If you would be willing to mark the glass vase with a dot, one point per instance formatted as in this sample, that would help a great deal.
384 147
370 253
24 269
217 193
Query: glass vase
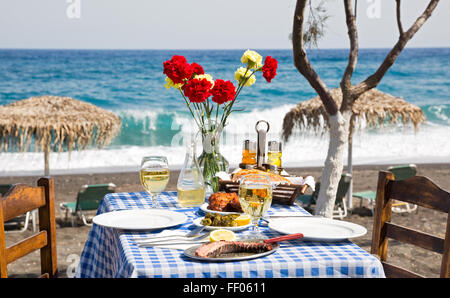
211 161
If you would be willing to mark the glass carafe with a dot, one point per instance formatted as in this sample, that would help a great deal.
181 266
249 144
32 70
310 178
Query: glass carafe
190 186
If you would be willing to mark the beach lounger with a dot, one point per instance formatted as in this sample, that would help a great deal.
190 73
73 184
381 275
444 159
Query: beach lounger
88 199
400 172
22 219
340 209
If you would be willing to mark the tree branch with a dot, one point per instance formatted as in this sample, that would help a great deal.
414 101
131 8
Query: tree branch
373 80
302 64
399 20
353 55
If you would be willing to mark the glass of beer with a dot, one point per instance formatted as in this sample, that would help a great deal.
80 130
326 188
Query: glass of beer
255 197
154 174
274 153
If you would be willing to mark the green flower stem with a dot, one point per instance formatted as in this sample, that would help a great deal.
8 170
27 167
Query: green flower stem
189 107
239 89
217 112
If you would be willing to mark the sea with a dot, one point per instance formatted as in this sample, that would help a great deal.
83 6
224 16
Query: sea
156 121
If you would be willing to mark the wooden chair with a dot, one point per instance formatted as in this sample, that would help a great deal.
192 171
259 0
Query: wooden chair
415 190
400 172
19 200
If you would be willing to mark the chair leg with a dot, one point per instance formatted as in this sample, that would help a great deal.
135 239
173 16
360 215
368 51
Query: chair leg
25 224
72 222
83 218
344 205
34 219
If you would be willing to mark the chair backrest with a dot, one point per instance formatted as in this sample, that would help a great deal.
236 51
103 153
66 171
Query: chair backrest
90 196
4 188
343 186
415 190
19 200
403 172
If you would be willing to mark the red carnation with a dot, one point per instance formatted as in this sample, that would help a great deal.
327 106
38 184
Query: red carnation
223 91
197 68
197 90
177 69
270 68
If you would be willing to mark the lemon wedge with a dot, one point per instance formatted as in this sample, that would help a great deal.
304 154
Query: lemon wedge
243 220
222 234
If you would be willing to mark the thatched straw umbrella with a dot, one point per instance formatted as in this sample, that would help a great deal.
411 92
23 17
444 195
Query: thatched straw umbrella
374 108
55 123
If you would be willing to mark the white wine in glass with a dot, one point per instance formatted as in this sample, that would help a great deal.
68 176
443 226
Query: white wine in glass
255 197
154 176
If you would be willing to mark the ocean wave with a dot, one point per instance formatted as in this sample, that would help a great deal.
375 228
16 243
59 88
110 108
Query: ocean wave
159 126
439 113
387 146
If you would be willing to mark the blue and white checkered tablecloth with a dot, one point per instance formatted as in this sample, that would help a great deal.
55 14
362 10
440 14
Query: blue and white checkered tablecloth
110 252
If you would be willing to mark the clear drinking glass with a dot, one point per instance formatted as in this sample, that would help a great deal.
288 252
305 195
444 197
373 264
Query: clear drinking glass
155 175
255 197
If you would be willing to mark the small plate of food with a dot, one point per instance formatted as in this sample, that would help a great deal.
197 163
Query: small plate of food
222 203
233 222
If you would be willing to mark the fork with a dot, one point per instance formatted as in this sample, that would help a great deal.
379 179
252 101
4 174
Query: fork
190 235
195 240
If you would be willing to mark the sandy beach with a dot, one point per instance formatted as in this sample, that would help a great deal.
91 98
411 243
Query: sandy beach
71 240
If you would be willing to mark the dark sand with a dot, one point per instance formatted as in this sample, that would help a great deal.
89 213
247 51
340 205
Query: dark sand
71 240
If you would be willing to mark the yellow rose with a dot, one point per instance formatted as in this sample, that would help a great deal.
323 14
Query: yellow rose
169 84
205 76
253 59
242 74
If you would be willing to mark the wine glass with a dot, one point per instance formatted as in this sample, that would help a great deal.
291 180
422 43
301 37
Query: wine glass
154 174
255 197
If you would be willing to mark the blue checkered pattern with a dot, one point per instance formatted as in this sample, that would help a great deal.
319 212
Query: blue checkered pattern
111 253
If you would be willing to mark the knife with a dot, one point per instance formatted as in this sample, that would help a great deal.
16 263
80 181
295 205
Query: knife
284 238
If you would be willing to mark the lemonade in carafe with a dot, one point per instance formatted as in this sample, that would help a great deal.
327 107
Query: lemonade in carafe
190 186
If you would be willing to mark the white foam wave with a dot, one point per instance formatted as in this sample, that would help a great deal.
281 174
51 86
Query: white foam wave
386 146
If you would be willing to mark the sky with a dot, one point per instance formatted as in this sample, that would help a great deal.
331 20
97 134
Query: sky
203 24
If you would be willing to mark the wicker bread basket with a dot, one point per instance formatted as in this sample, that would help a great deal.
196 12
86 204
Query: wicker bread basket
284 194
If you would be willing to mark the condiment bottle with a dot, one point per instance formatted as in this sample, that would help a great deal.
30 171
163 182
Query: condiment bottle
249 153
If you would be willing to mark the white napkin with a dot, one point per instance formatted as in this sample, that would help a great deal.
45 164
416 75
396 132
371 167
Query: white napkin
309 180
174 246
223 175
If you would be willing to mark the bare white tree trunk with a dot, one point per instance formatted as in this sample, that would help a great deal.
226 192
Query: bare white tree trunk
339 117
331 174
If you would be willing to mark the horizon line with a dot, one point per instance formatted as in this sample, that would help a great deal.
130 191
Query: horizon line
211 49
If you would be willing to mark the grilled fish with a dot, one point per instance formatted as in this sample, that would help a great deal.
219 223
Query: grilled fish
218 248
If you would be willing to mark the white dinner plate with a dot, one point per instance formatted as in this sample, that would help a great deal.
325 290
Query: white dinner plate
198 222
204 208
140 219
317 228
